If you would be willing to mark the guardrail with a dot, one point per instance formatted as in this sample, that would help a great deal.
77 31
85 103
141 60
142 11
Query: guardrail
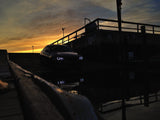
134 101
108 24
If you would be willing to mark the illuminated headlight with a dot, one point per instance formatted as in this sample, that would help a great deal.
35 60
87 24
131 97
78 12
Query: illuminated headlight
80 57
60 58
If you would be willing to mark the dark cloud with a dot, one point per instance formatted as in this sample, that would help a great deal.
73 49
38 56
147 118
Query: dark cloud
5 4
144 11
50 21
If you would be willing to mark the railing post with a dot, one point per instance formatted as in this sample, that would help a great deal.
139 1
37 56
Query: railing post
76 35
137 28
68 38
153 29
145 63
62 41
140 97
98 24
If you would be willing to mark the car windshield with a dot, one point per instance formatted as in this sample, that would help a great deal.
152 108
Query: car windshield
59 48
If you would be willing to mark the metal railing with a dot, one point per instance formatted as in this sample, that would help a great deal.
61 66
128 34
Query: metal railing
108 24
134 101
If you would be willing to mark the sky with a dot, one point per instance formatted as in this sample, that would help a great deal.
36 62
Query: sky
27 23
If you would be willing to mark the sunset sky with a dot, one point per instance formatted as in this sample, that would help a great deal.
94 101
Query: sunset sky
27 23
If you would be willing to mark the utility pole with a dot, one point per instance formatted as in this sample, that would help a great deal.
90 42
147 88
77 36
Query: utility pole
119 4
123 57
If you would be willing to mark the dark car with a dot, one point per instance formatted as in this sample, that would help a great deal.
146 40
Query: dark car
60 56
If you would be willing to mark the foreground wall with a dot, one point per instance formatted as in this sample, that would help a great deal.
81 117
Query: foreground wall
43 100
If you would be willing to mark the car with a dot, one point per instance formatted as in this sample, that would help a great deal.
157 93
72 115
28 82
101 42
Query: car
61 56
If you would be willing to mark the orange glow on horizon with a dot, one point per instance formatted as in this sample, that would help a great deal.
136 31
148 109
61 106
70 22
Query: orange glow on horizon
28 51
25 46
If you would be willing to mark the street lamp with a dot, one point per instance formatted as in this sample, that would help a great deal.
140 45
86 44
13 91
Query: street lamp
63 31
85 20
32 49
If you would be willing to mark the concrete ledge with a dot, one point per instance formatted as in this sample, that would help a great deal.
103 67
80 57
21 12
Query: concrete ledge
37 106
70 106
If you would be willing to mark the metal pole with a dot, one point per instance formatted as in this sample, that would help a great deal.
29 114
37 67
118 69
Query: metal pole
98 24
153 29
145 58
123 55
137 28
119 3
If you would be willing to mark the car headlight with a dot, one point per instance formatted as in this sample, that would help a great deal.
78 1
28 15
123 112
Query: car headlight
60 58
80 57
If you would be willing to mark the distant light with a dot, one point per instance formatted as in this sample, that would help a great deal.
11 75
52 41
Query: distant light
81 58
60 58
